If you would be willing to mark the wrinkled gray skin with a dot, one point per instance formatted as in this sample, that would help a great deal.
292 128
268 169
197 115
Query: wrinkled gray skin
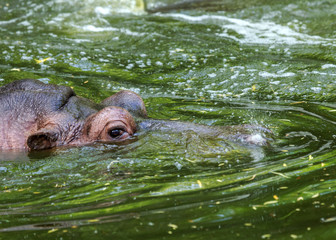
37 116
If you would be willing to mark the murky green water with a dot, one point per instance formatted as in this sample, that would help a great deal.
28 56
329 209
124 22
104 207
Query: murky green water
212 62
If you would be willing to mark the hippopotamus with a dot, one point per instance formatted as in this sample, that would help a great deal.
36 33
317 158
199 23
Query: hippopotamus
36 116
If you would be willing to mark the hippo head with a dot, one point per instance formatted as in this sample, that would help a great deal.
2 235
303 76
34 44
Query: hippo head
39 116
111 124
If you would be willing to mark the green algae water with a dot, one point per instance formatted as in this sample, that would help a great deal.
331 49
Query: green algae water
270 63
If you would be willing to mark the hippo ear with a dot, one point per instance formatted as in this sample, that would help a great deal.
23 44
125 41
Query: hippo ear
128 100
43 139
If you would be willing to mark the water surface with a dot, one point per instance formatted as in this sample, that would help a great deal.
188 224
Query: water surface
208 62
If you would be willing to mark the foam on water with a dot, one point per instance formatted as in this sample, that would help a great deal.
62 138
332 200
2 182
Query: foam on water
254 32
325 66
91 28
106 7
275 75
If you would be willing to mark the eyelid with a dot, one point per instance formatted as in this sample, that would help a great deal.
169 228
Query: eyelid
121 127
116 124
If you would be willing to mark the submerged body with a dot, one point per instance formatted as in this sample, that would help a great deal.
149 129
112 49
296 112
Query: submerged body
245 134
37 116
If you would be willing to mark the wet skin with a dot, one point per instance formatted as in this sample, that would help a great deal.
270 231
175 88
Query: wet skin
37 116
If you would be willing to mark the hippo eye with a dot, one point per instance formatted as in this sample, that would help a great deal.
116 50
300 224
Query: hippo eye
116 132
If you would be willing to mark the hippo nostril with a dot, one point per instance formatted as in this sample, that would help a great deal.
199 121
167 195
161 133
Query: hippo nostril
40 141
